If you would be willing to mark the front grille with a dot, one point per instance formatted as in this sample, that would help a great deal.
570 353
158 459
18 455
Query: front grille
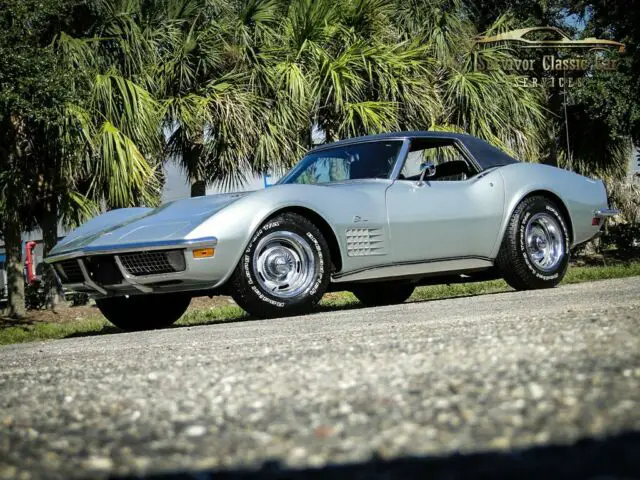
70 271
153 263
103 270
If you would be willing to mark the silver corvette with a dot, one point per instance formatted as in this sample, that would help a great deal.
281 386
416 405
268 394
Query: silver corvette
375 215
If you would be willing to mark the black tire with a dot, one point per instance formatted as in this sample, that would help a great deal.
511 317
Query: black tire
144 312
297 238
517 265
383 293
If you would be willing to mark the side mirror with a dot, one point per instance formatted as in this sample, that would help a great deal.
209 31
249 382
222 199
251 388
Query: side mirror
427 170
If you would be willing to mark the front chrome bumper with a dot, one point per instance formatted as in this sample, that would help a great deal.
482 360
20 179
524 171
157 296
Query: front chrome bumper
196 274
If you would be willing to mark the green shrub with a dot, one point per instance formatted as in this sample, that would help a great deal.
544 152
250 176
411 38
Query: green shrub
623 236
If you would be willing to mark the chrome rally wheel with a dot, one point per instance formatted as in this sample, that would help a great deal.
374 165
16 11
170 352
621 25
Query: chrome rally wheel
284 269
284 264
535 248
545 241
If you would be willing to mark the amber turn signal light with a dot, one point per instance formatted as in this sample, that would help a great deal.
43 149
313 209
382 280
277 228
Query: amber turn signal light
203 252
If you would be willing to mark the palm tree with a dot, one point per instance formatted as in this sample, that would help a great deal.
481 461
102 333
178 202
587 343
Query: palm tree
221 110
347 68
364 66
489 104
104 150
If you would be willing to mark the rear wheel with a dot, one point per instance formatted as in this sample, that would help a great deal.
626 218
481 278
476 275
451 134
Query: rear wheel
144 312
284 270
535 249
387 293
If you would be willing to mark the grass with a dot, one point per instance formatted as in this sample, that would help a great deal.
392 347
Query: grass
17 331
20 332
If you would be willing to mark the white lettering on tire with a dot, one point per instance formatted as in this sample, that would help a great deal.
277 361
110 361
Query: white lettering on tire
248 271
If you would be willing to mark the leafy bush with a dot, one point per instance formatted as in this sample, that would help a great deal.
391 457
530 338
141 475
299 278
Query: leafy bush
625 195
623 236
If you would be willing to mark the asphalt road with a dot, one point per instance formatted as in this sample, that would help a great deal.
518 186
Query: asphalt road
495 372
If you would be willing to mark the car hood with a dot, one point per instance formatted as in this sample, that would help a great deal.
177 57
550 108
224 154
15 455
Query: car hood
171 221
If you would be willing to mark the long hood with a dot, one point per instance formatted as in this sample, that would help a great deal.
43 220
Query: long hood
131 226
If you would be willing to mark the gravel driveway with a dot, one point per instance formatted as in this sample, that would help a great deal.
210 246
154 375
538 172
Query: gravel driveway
495 372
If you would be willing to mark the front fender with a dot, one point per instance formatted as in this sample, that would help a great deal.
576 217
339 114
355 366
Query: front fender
337 205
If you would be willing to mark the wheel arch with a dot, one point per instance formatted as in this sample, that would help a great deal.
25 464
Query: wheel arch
322 224
553 197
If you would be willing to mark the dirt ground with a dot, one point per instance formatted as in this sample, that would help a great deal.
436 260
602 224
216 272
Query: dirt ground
67 313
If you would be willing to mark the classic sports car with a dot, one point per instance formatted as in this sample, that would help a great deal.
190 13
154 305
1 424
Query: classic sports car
375 215
531 38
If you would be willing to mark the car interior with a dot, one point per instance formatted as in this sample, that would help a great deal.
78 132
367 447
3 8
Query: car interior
449 161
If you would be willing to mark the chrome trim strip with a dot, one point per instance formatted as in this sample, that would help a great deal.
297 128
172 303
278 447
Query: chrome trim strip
129 278
133 247
356 141
88 281
341 275
606 212
469 156
419 270
402 156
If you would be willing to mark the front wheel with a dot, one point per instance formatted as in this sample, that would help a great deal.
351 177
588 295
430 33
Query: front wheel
143 312
535 249
284 270
387 293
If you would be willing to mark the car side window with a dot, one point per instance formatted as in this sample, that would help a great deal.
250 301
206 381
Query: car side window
448 159
350 162
325 170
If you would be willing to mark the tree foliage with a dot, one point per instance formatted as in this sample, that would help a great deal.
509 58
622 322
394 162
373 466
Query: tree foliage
602 114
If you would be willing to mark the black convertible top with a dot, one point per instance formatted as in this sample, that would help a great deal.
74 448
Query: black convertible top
486 155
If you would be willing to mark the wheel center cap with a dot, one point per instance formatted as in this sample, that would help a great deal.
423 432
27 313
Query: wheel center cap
541 243
281 264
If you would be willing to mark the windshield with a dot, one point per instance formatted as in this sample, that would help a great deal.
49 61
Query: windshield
349 162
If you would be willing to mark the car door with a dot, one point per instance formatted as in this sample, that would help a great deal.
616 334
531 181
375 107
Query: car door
456 214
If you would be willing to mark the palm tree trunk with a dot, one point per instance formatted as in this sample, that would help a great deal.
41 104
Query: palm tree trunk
191 159
49 226
15 275
198 188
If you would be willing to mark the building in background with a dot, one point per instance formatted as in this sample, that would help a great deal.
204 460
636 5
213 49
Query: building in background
177 185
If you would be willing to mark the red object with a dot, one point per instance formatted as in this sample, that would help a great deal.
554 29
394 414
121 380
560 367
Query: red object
596 221
29 262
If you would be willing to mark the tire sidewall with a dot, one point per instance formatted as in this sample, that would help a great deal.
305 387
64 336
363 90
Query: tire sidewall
542 206
384 293
321 272
144 312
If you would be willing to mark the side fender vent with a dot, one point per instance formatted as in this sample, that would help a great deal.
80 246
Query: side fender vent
365 241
